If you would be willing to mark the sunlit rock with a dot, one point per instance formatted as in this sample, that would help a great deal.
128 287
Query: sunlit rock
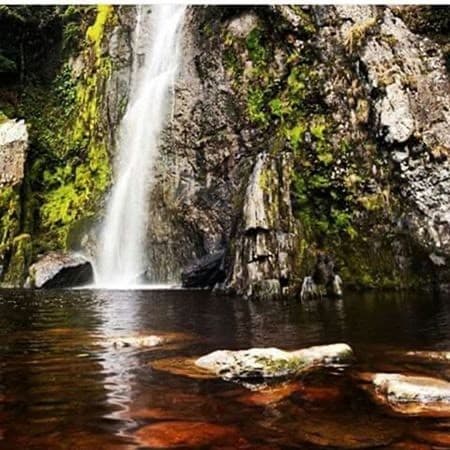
186 434
272 362
411 395
60 270
13 150
257 363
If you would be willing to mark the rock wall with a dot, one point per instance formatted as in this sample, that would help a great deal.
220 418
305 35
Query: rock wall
15 247
302 131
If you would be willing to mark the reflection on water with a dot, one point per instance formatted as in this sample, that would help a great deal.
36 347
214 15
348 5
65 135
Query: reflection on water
64 385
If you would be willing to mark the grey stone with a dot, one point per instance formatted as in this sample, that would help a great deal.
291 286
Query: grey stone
412 395
273 362
13 152
60 270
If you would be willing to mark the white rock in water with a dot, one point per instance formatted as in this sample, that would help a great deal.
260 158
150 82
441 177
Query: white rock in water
412 395
272 362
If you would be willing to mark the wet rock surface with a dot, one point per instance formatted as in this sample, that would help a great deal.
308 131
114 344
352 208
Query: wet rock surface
412 395
186 434
272 362
257 363
60 270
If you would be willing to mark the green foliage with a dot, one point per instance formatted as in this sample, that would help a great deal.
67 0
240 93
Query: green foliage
65 89
70 164
7 65
75 19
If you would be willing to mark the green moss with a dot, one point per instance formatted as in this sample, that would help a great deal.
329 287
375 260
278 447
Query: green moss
256 107
96 31
21 254
70 164
9 217
3 117
373 202
255 46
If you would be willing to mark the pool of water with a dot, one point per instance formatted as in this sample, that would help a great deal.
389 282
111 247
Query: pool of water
65 385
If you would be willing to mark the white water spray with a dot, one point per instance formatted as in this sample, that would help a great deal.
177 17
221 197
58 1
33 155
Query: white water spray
121 257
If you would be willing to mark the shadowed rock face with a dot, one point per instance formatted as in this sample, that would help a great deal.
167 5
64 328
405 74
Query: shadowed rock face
225 179
205 272
60 270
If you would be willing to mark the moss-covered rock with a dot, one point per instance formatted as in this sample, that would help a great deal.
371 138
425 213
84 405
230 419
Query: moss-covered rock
19 262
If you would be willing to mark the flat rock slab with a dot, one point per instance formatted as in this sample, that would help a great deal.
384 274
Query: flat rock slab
60 270
272 362
411 395
257 363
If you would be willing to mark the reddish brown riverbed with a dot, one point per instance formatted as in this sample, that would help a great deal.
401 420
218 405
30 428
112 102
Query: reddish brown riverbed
67 381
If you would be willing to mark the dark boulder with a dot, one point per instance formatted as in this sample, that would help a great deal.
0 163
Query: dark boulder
205 271
324 280
60 270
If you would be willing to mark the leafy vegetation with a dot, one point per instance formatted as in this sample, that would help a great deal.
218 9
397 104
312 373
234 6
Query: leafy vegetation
70 163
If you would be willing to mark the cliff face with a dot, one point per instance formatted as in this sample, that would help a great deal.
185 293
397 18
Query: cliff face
308 131
297 132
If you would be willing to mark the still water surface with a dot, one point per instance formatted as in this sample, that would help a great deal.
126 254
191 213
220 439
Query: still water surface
63 385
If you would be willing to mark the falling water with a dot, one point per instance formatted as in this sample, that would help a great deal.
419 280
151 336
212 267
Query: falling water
121 258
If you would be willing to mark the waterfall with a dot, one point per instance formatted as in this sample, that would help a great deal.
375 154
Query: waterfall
121 256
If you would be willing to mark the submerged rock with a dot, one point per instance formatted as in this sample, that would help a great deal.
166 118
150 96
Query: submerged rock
342 430
146 341
60 270
272 362
439 438
186 434
271 394
204 272
411 395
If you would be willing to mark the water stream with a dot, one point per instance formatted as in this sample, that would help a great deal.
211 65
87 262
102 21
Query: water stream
121 258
